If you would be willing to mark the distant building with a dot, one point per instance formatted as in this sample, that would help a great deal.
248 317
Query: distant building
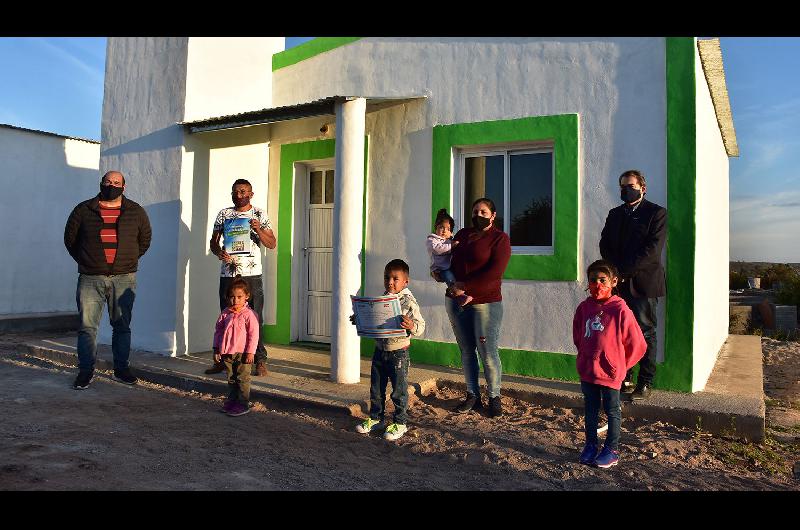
352 145
44 175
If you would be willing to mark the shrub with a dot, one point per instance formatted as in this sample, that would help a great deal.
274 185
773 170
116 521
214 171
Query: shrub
738 280
790 292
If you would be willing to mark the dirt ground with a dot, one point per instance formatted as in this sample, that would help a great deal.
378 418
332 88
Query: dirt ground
150 437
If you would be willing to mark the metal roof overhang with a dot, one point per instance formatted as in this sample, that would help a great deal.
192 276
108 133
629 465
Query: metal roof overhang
321 107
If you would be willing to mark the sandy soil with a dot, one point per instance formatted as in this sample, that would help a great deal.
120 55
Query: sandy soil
149 437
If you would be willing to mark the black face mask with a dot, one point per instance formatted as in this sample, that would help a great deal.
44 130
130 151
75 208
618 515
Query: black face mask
109 193
480 222
629 194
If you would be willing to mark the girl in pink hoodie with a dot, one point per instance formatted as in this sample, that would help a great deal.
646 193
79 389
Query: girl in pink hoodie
235 338
609 343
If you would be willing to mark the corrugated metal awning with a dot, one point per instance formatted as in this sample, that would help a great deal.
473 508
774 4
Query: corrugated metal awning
317 108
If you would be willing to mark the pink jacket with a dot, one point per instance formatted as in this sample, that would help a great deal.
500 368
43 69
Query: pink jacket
236 332
608 339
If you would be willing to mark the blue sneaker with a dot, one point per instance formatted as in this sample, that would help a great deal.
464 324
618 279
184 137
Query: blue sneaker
588 454
607 458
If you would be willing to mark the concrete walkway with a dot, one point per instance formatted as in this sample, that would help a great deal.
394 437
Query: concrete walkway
732 403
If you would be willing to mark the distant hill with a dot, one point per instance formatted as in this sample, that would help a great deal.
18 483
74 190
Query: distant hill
754 267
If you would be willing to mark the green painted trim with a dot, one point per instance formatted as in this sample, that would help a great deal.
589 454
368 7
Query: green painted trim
280 332
677 370
515 362
563 131
307 50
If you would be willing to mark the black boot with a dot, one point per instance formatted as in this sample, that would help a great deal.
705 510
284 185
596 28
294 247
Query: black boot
217 368
495 407
472 402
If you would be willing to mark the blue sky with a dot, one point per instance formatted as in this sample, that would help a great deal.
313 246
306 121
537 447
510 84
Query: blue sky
56 85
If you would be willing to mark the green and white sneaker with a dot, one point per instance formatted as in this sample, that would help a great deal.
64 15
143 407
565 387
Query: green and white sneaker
395 431
367 426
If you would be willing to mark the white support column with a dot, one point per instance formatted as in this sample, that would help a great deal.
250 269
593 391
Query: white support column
348 222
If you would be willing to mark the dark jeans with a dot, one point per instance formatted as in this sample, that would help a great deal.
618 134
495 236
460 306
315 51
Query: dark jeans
644 309
93 292
591 399
389 366
238 378
256 303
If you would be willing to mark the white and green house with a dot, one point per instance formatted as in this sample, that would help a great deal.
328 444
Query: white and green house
353 144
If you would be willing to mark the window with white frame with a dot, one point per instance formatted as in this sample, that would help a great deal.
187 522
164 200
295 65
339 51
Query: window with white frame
520 181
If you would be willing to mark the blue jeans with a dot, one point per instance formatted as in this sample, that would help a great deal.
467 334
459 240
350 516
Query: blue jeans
256 303
644 310
389 366
592 395
93 292
477 328
447 276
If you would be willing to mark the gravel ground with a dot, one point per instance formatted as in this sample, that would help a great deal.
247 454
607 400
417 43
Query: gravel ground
149 437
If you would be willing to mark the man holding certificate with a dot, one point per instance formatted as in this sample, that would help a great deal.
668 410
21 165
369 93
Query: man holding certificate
242 229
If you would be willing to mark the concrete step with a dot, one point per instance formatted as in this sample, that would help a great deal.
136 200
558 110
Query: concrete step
732 404
27 322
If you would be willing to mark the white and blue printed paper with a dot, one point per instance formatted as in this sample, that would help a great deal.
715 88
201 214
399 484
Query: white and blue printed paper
378 317
237 236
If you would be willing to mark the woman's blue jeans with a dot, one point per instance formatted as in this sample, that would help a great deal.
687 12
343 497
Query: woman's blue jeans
477 331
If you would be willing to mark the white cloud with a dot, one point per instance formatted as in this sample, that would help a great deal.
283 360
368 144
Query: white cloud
96 76
766 228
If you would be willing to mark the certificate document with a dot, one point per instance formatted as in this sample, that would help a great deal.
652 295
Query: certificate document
378 317
237 236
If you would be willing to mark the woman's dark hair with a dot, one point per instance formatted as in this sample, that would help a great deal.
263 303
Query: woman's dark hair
489 202
443 216
238 283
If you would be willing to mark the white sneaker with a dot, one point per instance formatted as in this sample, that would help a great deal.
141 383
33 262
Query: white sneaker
394 431
367 426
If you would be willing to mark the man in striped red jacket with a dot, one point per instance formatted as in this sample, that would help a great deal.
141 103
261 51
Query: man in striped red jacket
106 235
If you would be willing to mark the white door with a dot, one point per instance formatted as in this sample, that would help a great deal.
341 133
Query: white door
318 253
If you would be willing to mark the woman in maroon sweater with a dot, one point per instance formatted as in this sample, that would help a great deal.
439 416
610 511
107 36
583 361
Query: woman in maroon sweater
478 263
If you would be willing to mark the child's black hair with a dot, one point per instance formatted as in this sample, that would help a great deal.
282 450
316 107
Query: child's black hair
606 267
238 283
442 216
396 265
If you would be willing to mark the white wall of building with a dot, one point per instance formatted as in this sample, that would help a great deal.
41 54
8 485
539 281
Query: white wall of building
216 160
152 84
228 75
43 178
616 85
712 232
143 102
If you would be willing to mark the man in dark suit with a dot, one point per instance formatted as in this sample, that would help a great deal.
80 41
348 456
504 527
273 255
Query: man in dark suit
632 239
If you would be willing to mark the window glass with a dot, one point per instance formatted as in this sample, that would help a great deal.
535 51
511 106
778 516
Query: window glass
316 188
329 187
531 199
483 177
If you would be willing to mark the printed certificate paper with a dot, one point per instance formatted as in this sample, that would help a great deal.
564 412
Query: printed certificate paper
378 317
237 236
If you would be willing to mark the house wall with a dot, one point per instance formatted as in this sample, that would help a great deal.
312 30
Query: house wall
212 161
145 89
617 86
712 232
153 84
42 176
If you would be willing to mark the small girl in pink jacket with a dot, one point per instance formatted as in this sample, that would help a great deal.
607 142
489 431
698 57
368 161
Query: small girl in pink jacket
609 343
235 339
